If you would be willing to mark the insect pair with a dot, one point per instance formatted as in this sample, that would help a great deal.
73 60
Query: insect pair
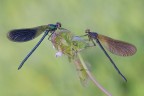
114 46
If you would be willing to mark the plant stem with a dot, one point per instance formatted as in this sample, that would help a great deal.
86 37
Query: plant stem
92 78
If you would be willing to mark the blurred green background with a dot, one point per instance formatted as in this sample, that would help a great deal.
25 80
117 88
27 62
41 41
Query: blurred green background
44 74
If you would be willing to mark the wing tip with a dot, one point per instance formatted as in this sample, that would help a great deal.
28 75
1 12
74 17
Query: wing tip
9 35
21 35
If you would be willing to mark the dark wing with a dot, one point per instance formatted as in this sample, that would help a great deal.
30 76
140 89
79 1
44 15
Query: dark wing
23 35
117 47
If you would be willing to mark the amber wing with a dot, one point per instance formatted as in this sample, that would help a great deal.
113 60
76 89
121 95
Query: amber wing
117 47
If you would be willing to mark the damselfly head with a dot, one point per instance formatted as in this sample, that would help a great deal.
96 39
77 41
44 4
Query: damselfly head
58 24
91 34
53 27
87 30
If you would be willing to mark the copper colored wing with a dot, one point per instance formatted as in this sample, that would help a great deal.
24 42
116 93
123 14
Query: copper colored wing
23 35
117 47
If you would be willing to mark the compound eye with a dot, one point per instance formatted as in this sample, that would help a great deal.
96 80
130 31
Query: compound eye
87 30
58 24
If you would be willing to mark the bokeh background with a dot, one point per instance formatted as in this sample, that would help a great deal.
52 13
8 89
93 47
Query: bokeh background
44 74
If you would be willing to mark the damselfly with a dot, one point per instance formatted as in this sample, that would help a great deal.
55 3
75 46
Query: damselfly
116 47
